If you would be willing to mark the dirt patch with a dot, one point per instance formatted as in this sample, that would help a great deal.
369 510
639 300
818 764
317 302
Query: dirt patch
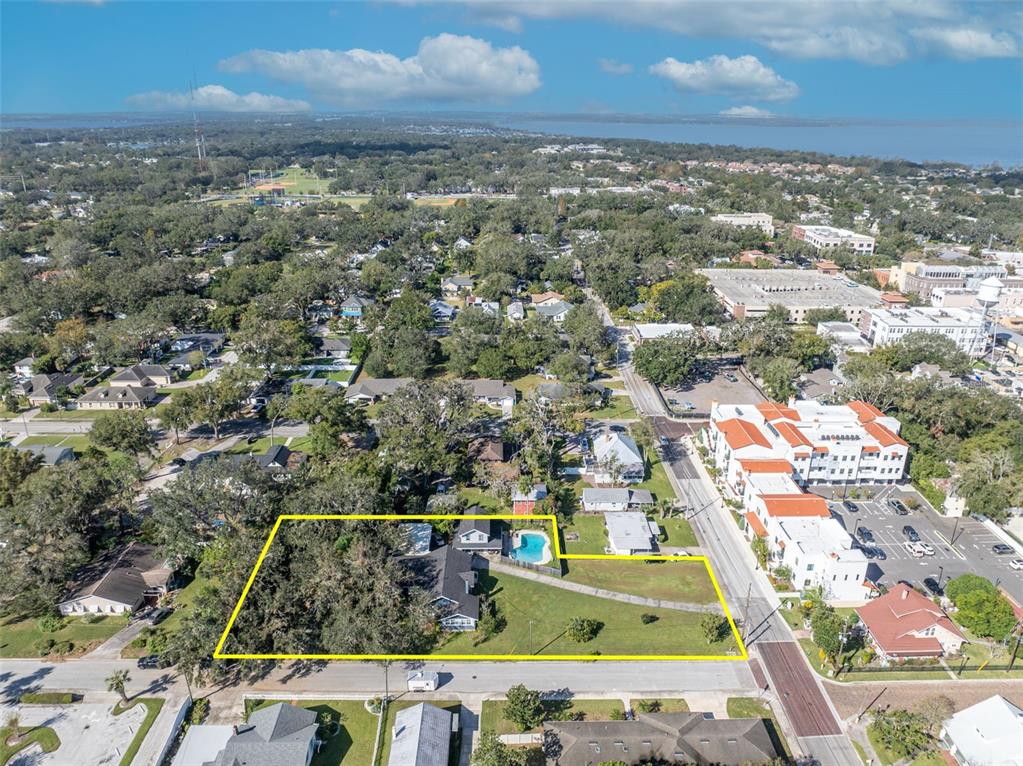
850 699
277 184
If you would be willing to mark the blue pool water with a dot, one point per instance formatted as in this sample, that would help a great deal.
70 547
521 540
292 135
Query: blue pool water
530 548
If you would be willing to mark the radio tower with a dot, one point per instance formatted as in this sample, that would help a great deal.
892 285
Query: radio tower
200 138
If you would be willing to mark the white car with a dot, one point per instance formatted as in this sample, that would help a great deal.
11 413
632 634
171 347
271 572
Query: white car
1017 564
913 550
925 548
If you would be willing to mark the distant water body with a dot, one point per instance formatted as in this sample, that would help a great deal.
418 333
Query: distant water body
971 143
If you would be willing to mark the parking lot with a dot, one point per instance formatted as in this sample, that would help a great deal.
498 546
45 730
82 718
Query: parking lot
970 553
713 386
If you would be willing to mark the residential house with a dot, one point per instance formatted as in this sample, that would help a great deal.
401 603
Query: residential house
49 388
614 458
143 376
516 311
493 393
421 736
186 350
373 389
276 459
447 573
490 308
630 533
119 397
556 311
118 582
23 367
336 349
477 534
986 733
905 624
661 738
49 455
201 744
492 450
442 312
462 244
526 502
355 306
279 735
598 500
548 298
456 285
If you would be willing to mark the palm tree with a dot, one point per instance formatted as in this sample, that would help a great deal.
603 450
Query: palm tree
116 682
13 725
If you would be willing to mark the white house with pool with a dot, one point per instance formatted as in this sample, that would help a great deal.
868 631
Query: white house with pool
531 547
630 533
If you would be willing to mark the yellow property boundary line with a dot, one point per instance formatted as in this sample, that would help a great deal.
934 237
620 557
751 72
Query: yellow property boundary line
219 654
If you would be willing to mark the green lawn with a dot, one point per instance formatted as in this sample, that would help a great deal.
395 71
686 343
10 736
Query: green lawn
70 415
575 709
749 707
527 383
591 531
17 637
617 408
352 745
392 711
475 496
153 706
44 735
78 442
664 705
257 447
536 616
657 481
668 580
680 533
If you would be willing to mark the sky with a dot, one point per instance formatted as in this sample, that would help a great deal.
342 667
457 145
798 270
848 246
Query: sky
865 59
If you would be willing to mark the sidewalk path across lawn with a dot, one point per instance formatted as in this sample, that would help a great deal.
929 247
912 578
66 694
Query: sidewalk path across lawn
587 590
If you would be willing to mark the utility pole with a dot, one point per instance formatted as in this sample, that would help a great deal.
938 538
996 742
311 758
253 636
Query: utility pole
745 613
955 528
871 704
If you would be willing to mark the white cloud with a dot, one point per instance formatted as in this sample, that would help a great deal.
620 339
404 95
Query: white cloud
864 30
215 98
745 111
615 67
445 68
967 43
741 77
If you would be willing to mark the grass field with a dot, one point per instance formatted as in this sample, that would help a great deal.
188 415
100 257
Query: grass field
78 442
493 718
70 415
536 616
18 637
476 496
749 707
680 533
44 735
657 482
392 711
352 745
617 408
664 705
591 531
667 580
153 706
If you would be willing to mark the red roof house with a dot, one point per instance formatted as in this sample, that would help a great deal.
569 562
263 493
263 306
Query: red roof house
903 623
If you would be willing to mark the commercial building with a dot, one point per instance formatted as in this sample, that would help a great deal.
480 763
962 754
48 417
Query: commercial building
762 221
751 292
922 278
882 327
651 331
989 730
1010 299
851 443
828 237
845 335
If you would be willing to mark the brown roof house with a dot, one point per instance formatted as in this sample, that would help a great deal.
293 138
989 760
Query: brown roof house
659 737
117 398
48 388
118 582
903 623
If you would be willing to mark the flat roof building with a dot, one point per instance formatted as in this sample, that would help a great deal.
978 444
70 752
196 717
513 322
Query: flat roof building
922 278
829 237
762 221
751 292
882 327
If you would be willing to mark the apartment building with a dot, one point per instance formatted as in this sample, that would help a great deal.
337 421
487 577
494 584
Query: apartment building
923 278
851 443
829 237
762 221
966 327
751 292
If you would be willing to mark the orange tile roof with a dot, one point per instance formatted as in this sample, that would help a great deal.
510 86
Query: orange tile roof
766 465
791 434
865 412
883 435
871 448
774 411
741 433
796 505
894 298
756 524
893 618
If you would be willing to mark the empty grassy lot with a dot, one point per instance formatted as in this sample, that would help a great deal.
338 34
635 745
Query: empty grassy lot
537 615
18 636
493 718
668 580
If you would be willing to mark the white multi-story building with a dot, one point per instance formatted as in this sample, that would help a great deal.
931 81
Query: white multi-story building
762 221
828 237
1010 300
851 443
882 327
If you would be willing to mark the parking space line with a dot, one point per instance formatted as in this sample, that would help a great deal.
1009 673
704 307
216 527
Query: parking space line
950 546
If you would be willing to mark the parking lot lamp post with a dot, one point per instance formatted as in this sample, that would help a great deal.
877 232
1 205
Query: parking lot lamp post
955 527
941 573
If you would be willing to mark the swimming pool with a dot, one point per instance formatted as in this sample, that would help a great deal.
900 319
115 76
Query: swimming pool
531 548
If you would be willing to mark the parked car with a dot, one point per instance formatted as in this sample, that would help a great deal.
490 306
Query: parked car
864 534
731 378
932 587
899 507
850 506
913 550
879 553
926 548
141 614
1016 564
688 406
148 662
869 551
161 614
911 534
1002 549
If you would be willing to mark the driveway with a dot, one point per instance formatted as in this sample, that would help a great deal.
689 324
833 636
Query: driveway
111 648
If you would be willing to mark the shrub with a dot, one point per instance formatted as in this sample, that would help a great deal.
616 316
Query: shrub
648 706
197 714
646 619
581 630
43 646
617 714
62 647
92 618
51 623
139 642
47 407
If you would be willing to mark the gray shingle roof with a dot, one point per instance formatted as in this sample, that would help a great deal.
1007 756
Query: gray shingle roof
447 573
422 736
121 575
279 735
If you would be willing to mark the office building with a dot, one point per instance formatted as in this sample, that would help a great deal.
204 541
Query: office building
882 327
828 238
762 221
